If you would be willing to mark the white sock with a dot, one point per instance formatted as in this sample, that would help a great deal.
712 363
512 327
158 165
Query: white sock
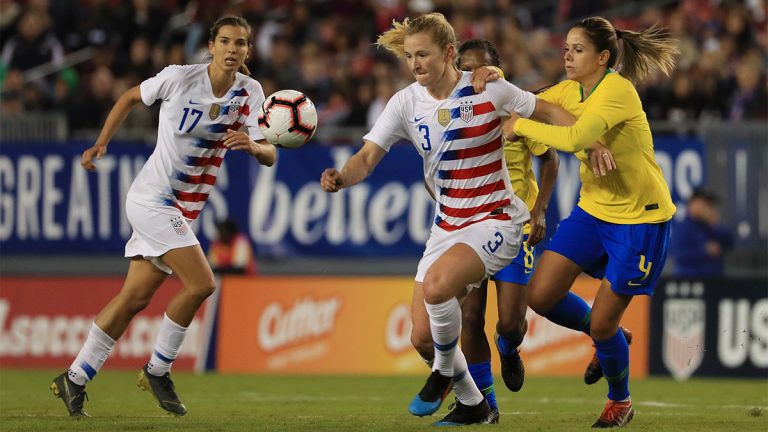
167 346
445 324
463 385
91 357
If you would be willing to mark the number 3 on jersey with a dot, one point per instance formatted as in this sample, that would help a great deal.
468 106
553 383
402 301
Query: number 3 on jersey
194 112
493 245
427 146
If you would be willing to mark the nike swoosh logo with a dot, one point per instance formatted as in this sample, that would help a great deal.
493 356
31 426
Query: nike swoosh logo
418 119
191 102
630 283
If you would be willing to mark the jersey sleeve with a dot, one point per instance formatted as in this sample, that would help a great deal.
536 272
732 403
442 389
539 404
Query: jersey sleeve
613 104
510 98
389 126
161 86
535 147
252 121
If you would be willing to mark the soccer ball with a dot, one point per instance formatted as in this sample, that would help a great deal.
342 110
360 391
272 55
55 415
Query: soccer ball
288 118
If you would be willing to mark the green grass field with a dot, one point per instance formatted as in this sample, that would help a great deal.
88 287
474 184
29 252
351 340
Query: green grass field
291 403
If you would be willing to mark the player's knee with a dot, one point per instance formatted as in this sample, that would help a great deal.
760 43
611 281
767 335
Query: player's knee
137 304
512 326
202 289
434 288
601 330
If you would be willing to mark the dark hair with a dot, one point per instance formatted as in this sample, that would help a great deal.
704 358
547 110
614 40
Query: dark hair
483 45
704 194
643 51
235 21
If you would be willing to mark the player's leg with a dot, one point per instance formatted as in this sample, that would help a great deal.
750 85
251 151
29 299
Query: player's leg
576 247
511 284
191 266
474 344
141 283
421 335
637 257
459 266
613 354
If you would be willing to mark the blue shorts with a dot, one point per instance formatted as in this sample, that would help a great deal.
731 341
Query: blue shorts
630 257
519 271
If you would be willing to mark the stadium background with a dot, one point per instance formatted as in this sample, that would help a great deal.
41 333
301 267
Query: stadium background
336 271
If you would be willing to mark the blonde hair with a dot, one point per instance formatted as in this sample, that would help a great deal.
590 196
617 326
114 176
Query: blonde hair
433 23
643 52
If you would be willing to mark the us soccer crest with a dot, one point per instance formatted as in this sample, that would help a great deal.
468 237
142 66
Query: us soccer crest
684 326
443 116
215 111
467 111
234 111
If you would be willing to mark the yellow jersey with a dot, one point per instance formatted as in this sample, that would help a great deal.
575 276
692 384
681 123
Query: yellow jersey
636 191
517 155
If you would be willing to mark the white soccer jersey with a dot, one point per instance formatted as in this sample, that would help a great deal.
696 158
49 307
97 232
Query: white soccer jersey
461 143
183 167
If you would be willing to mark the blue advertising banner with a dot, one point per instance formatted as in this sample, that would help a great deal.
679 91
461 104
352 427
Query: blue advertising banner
49 204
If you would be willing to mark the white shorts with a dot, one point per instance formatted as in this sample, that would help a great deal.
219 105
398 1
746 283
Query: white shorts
495 242
155 232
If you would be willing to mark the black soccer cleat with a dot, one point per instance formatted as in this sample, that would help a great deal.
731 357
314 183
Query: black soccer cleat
163 390
71 394
465 415
594 372
512 368
431 395
493 417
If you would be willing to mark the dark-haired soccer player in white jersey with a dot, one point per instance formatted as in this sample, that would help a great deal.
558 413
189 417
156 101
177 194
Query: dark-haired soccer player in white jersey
206 109
478 220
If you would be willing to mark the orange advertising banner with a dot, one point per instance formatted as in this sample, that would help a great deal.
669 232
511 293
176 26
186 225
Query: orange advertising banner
361 325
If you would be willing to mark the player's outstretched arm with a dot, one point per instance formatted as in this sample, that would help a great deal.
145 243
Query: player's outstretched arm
116 116
357 168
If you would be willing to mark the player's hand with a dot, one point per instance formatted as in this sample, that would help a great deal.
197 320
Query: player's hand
600 159
538 226
235 140
508 128
482 75
97 152
331 181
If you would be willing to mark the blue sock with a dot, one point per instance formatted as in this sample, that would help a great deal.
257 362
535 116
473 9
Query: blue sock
572 312
614 359
507 345
481 374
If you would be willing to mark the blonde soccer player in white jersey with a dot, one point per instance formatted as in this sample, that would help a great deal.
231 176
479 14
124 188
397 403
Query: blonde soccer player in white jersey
206 109
478 219
619 231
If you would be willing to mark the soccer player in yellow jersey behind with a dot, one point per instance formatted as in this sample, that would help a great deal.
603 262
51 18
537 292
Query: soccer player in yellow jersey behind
619 232
512 279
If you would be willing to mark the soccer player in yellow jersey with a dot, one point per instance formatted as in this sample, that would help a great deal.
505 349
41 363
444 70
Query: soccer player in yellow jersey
619 231
512 279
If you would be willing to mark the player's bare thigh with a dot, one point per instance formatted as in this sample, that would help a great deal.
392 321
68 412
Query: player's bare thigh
551 281
451 273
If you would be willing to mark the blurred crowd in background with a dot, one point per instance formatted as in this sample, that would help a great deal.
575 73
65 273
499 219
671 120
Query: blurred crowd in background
78 56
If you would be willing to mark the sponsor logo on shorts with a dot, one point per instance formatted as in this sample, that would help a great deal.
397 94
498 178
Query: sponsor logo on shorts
179 226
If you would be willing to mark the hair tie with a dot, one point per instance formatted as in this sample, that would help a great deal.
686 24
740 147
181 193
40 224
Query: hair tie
618 34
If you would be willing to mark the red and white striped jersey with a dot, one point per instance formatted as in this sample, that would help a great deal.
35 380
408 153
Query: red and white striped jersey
461 143
182 169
